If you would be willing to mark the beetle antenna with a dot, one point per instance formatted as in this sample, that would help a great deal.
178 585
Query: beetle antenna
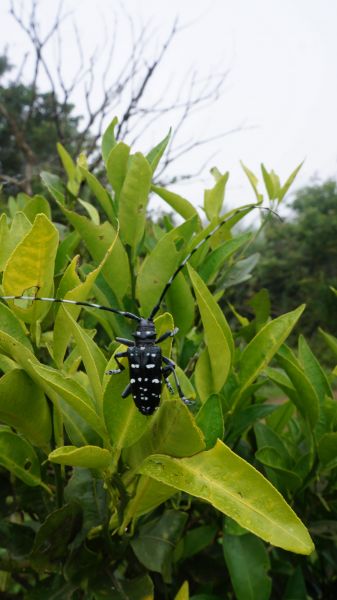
187 258
76 303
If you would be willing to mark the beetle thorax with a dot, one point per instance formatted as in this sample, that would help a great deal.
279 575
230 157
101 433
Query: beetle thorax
145 332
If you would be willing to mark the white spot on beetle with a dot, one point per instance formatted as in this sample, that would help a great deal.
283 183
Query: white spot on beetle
139 378
150 366
153 355
132 380
155 381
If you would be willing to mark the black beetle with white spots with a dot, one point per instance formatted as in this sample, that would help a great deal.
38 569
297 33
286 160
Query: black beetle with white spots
147 365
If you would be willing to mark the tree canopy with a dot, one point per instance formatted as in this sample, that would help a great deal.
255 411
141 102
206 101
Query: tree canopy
298 261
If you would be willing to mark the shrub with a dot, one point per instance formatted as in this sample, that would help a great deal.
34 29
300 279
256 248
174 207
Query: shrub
100 501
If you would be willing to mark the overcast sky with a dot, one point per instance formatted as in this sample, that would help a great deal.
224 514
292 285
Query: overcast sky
282 82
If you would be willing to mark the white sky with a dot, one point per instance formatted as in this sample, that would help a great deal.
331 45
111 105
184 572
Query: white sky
282 57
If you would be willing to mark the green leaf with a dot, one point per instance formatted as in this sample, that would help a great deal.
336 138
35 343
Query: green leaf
80 292
133 200
11 236
277 473
213 262
92 357
91 210
85 488
243 419
203 376
197 539
330 340
307 401
180 303
266 437
213 198
67 162
16 538
240 271
273 453
272 182
54 186
19 457
73 393
149 495
327 447
65 250
124 422
219 341
53 537
117 166
296 588
161 263
78 430
108 139
260 303
166 532
185 383
259 352
35 206
313 370
11 325
281 416
183 593
172 431
253 180
178 203
23 406
89 457
210 420
248 563
104 246
235 488
157 152
288 183
100 193
31 265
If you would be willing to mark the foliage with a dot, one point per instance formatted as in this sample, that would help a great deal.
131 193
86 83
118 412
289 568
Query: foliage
298 260
27 145
100 501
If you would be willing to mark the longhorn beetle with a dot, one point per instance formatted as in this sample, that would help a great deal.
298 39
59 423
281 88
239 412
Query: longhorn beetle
147 365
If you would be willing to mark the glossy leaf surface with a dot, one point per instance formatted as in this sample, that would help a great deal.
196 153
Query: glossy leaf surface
234 487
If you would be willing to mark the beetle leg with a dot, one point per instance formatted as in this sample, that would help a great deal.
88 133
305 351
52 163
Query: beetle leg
125 341
127 391
166 335
121 367
168 384
170 368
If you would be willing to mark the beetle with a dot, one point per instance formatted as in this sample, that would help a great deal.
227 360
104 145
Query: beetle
147 366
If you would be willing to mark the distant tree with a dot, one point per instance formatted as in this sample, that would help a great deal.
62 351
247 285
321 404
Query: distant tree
299 258
32 121
28 135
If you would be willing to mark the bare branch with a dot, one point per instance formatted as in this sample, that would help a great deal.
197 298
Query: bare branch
107 85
